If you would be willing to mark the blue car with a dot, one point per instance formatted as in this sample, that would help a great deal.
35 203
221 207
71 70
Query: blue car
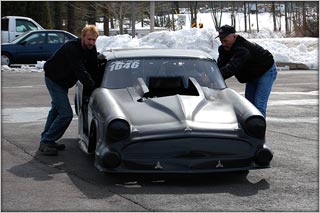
33 46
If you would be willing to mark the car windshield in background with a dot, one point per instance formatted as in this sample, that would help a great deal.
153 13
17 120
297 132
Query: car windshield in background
18 38
124 73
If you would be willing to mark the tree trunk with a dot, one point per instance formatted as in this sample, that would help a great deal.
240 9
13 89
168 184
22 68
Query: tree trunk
249 17
274 17
193 9
152 5
71 26
233 17
92 13
133 21
304 19
257 16
286 17
245 16
57 21
106 19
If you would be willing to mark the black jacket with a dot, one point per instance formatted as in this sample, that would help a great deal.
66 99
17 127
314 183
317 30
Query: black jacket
245 60
71 63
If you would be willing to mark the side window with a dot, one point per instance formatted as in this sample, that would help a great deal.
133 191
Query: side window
5 24
67 38
35 38
55 38
24 25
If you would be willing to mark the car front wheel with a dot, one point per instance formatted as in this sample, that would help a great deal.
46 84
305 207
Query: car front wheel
5 59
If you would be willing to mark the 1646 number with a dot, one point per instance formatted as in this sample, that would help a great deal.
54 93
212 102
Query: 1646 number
119 65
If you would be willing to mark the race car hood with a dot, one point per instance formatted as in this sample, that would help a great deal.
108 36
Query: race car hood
182 108
206 111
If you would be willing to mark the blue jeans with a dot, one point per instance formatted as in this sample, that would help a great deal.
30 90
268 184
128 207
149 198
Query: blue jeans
60 114
258 90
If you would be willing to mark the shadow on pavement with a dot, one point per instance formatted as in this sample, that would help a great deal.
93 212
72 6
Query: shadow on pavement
94 184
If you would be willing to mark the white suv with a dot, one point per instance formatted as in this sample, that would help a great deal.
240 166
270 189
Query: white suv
13 26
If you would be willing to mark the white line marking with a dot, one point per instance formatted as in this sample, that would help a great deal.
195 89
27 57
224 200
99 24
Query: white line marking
292 93
312 120
23 87
300 102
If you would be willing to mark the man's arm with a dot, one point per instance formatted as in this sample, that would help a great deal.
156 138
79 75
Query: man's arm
236 62
77 66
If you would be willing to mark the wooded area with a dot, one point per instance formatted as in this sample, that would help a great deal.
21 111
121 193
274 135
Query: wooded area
301 17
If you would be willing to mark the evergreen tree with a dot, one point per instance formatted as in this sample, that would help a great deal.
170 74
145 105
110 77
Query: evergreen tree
39 11
13 8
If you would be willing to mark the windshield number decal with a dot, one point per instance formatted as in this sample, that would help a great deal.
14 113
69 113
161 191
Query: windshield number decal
119 65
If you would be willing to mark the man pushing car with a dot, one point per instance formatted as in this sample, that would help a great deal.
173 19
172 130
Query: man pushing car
75 60
249 63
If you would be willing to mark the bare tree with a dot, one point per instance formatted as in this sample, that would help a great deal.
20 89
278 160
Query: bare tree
71 25
233 16
304 19
57 17
104 7
91 12
194 10
257 16
214 14
249 16
245 16
286 17
120 10
274 17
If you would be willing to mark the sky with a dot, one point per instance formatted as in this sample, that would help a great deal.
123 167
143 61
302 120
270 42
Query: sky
293 50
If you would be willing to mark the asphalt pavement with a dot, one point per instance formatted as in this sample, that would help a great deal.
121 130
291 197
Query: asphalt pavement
70 182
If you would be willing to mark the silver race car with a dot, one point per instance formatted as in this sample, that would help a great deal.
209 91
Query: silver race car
169 111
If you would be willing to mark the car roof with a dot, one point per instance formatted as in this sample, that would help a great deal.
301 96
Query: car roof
23 17
155 52
19 38
48 31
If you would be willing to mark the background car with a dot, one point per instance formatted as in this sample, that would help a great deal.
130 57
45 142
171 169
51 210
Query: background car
13 26
169 111
33 46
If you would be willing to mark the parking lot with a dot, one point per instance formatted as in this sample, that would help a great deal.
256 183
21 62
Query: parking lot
69 181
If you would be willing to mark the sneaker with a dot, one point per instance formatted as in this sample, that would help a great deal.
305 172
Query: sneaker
47 149
58 146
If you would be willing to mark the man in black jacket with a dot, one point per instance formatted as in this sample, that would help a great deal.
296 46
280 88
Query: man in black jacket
249 63
75 60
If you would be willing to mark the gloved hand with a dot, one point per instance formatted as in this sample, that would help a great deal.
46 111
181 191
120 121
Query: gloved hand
101 57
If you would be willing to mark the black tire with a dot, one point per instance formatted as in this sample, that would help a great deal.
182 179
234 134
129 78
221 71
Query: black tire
92 138
6 59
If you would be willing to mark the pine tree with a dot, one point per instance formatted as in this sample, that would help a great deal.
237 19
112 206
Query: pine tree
39 11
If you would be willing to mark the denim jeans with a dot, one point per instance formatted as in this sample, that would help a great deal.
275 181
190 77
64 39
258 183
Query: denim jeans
258 90
60 114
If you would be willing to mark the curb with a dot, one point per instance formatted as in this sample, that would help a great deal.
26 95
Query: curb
291 66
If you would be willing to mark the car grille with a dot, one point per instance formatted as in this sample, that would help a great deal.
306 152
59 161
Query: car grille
188 153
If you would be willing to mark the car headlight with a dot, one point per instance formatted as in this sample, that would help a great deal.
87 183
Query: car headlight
255 126
118 130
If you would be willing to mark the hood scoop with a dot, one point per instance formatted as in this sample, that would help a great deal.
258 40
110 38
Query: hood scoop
172 96
167 86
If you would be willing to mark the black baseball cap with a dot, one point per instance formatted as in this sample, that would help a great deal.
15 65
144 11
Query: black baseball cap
225 31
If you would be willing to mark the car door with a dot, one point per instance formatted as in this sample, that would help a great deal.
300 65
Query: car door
32 48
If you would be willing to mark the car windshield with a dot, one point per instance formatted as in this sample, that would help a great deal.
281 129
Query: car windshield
20 37
122 73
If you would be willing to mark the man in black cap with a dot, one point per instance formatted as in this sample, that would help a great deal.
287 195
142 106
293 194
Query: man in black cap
249 63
